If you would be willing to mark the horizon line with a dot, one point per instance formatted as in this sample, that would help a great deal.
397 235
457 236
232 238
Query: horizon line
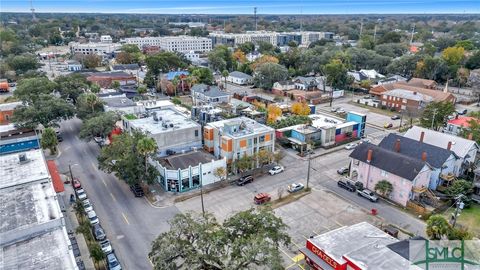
237 14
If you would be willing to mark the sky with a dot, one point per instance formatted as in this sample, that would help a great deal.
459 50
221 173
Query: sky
245 6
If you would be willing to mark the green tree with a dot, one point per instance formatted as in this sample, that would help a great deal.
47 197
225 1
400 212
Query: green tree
269 73
220 173
384 187
367 42
49 140
164 62
474 61
146 146
95 88
46 110
247 47
437 227
201 75
122 158
244 163
71 86
225 75
292 44
29 89
246 240
473 129
390 37
96 253
221 58
391 49
265 47
91 60
100 125
22 63
466 44
432 68
336 73
88 106
404 66
141 90
460 187
115 85
435 113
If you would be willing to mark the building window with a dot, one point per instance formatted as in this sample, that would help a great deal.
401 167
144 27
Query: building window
196 133
195 180
255 140
262 138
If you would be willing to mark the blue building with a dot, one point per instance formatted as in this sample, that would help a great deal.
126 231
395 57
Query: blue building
359 118
172 74
17 140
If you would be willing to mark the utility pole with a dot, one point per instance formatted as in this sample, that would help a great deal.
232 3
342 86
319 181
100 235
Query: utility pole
413 32
433 118
308 169
460 206
255 14
201 196
361 29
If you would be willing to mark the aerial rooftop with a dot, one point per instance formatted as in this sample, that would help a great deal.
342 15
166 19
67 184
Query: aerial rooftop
323 121
240 126
14 172
168 119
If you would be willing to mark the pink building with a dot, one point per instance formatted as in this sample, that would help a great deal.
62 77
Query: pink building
371 164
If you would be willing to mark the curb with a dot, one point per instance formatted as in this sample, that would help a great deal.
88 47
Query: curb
156 206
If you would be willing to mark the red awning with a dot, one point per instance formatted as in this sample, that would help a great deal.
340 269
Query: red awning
56 179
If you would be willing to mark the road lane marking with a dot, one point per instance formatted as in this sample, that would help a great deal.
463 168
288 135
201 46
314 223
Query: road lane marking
113 197
125 218
104 182
93 165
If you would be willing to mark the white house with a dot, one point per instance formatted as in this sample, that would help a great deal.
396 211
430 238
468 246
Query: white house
183 172
206 95
240 78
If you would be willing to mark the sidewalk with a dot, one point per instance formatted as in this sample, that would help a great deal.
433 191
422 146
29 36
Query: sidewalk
71 223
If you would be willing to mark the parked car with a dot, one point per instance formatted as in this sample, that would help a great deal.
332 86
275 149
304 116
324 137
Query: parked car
87 206
106 246
98 232
368 194
276 169
137 190
350 146
262 198
343 170
462 112
295 187
345 184
365 140
333 109
244 180
92 217
340 110
59 138
81 195
395 117
76 183
112 262
388 125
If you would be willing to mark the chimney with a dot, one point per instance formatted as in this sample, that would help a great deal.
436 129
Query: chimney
414 93
422 135
449 145
456 116
397 146
424 156
470 136
369 155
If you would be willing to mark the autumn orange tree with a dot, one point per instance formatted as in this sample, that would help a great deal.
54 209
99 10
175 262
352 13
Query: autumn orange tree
300 108
240 56
273 113
262 60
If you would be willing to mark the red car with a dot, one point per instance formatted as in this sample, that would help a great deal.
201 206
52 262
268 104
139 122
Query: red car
261 198
76 184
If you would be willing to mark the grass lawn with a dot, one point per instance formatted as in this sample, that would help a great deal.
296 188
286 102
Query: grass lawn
469 217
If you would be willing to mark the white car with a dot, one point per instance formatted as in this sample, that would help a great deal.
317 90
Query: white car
295 187
87 205
350 146
92 216
106 247
340 110
333 109
81 194
275 170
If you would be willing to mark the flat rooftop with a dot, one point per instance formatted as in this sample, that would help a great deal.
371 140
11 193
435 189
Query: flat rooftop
46 251
183 161
168 120
118 102
13 172
28 205
246 125
323 121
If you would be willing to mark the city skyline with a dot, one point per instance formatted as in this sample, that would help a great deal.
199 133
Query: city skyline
304 7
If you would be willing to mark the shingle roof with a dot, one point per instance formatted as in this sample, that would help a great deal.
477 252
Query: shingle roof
435 94
238 74
463 121
209 91
460 146
436 156
125 67
389 161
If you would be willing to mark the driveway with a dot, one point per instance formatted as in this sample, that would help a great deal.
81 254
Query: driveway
130 223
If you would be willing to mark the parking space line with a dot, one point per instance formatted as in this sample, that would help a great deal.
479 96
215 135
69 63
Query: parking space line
125 218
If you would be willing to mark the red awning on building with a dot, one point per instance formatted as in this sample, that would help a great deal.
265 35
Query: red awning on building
56 179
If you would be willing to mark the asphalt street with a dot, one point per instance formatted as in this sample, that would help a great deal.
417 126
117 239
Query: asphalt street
130 223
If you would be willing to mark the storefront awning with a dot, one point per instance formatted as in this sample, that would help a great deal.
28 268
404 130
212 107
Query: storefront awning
314 258
295 141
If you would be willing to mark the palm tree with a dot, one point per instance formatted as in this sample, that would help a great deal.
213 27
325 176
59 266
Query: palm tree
225 75
383 187
96 253
146 146
437 227
92 100
175 82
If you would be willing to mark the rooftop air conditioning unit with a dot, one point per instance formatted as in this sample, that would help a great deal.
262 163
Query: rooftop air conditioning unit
22 158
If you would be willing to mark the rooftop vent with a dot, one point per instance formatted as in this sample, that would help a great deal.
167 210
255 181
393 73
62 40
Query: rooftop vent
22 158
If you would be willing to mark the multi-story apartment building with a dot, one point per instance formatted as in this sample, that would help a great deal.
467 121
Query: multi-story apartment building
274 38
106 39
184 44
101 49
237 137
